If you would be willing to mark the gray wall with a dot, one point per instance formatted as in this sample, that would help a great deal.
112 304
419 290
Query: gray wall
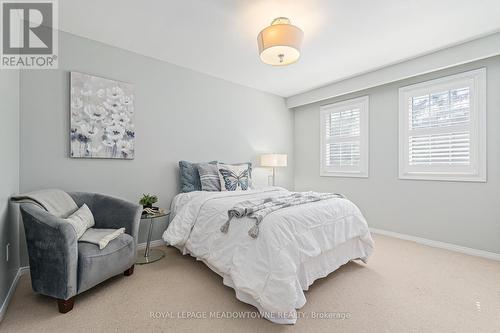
466 214
9 177
180 114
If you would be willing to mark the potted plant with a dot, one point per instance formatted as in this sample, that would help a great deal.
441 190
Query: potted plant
148 200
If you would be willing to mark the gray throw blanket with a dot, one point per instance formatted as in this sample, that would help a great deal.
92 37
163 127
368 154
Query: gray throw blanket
100 237
61 204
259 209
56 202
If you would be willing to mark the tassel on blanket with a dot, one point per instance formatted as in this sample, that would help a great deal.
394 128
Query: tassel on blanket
225 226
254 231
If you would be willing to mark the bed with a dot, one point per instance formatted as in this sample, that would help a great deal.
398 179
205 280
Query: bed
295 246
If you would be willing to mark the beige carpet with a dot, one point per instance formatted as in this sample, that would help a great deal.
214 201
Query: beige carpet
405 287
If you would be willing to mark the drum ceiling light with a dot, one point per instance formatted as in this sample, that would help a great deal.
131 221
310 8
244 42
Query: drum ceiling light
279 43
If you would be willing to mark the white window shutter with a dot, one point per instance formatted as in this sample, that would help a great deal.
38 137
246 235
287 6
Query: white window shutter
344 138
443 128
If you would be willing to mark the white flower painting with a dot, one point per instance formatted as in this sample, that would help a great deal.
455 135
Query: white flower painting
102 118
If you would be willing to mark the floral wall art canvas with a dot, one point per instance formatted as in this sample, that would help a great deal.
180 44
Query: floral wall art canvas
102 118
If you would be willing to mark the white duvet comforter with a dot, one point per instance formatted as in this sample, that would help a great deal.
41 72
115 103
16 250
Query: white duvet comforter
295 246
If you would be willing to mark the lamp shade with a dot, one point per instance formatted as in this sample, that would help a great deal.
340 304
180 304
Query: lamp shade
273 160
279 43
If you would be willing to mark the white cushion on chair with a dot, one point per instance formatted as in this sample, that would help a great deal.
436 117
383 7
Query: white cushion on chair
81 220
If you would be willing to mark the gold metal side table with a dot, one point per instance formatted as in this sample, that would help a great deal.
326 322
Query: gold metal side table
149 255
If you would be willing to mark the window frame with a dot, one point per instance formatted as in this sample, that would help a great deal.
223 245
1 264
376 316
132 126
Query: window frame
476 172
364 105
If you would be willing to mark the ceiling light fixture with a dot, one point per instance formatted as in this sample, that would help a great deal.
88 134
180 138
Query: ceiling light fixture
279 43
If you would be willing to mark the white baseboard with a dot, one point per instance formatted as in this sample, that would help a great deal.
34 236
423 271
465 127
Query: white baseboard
441 245
158 242
24 270
20 272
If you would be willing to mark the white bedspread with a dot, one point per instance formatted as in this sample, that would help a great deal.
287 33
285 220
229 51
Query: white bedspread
268 272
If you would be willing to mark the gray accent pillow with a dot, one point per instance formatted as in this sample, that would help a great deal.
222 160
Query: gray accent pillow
190 178
209 177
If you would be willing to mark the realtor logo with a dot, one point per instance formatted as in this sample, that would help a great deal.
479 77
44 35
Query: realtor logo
29 37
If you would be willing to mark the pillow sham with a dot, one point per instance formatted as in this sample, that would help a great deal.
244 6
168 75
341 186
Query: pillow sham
235 177
209 177
242 163
81 220
190 178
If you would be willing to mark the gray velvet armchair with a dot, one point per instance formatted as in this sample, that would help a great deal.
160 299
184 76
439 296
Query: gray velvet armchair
60 266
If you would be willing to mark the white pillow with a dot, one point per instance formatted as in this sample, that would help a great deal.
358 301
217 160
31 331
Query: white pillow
234 177
81 220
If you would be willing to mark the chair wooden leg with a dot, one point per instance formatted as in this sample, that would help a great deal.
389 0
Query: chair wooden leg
65 305
129 271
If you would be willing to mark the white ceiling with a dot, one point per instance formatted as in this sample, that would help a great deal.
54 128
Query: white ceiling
342 38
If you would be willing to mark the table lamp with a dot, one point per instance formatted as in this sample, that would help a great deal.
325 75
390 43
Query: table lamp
273 161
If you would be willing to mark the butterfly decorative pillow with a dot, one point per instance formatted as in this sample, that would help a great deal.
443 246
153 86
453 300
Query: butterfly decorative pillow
234 177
